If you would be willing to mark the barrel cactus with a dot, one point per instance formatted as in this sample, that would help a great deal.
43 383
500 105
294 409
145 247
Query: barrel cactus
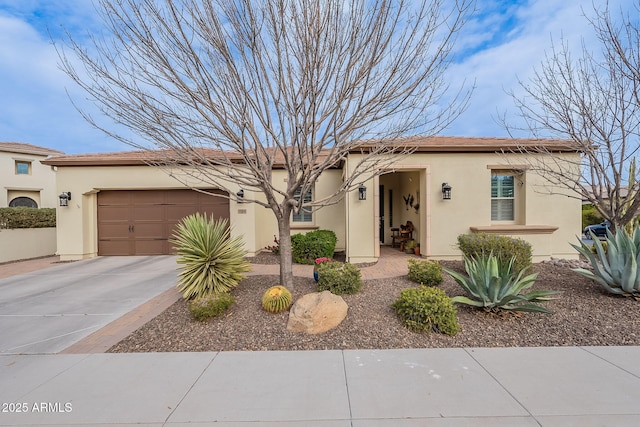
615 264
276 299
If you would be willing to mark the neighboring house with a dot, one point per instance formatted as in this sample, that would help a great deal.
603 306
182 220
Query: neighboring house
121 206
24 181
624 192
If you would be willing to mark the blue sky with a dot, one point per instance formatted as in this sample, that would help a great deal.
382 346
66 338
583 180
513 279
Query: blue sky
504 41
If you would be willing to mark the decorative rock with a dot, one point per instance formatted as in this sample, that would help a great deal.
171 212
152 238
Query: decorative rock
316 313
569 263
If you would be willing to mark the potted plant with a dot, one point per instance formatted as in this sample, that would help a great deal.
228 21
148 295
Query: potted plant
317 262
409 246
416 249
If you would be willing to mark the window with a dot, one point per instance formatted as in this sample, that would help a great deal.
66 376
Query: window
502 197
305 214
26 202
23 168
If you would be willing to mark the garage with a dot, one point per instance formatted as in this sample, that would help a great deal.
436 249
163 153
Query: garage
141 222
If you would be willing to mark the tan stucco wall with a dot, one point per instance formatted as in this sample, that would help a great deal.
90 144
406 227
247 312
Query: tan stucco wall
77 223
330 217
40 184
439 222
24 243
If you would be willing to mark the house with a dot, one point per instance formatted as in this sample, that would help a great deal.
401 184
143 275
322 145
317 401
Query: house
24 181
121 206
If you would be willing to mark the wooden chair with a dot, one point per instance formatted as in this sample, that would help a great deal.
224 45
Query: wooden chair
406 234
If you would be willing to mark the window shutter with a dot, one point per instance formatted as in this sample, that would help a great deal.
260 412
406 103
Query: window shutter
305 215
502 197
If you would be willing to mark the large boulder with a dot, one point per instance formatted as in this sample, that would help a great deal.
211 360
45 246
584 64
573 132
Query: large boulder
317 312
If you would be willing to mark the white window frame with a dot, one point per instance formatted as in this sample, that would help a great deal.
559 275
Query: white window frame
496 211
306 214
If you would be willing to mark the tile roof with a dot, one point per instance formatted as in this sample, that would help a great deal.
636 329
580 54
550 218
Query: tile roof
22 148
119 158
140 157
480 144
420 144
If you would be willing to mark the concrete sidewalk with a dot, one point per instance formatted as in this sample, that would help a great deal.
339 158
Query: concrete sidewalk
564 386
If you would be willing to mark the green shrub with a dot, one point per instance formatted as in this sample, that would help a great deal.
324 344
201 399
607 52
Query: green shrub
206 307
212 262
276 299
590 215
301 249
314 244
27 217
503 247
339 278
428 273
494 284
427 309
615 263
324 242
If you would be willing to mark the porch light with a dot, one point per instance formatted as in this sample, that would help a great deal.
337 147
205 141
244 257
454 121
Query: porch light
64 198
446 191
362 192
240 194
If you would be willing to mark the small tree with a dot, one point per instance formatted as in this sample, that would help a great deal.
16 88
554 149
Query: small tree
593 102
222 91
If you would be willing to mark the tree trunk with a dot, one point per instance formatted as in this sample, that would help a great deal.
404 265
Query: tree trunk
286 258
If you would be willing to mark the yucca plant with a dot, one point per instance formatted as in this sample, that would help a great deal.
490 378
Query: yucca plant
211 261
493 284
615 263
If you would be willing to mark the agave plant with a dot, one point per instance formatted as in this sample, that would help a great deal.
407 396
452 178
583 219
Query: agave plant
493 284
615 263
212 261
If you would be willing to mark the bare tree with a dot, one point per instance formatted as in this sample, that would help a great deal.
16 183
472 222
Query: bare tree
593 102
223 90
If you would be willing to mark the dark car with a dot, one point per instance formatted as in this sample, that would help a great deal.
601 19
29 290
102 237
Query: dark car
600 230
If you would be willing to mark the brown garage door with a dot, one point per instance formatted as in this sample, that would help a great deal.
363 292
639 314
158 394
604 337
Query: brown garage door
140 222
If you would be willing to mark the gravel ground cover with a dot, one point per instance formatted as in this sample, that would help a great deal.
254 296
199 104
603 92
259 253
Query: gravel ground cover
583 315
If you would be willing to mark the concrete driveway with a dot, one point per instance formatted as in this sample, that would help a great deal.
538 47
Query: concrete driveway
48 310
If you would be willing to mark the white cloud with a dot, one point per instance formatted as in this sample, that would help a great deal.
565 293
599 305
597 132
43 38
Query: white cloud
36 108
503 41
497 68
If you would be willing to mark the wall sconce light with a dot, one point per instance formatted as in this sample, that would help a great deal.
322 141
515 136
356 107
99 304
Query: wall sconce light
446 191
362 192
64 198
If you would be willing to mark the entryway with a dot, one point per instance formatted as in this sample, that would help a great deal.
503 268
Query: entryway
401 197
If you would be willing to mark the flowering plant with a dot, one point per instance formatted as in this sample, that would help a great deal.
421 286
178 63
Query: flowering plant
274 249
321 260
